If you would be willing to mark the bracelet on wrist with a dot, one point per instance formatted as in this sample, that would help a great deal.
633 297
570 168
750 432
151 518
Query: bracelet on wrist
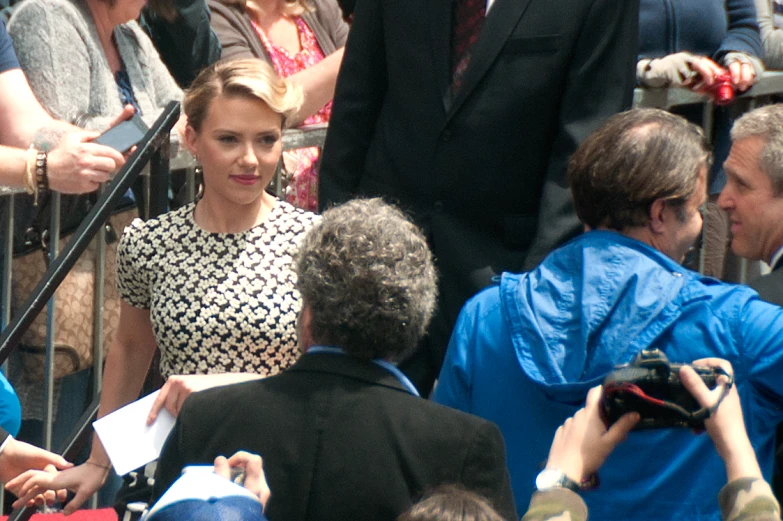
95 463
41 174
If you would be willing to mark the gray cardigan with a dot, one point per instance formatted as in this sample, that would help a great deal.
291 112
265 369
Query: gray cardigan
59 49
239 39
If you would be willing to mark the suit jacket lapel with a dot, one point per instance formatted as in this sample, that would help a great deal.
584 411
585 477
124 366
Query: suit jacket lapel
440 33
503 16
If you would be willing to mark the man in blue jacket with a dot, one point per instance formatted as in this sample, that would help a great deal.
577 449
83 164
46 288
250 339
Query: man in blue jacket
525 352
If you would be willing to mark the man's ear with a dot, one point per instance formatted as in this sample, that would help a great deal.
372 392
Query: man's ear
657 216
304 329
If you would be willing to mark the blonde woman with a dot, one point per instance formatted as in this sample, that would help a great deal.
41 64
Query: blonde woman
210 284
304 42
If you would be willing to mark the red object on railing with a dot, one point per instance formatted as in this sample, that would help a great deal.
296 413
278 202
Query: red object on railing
722 91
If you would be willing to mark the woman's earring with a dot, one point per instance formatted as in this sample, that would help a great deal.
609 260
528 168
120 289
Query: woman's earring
199 178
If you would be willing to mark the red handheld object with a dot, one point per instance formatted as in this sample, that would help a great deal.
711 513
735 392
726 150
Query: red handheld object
722 91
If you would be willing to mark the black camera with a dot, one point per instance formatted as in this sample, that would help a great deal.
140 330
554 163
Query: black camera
651 386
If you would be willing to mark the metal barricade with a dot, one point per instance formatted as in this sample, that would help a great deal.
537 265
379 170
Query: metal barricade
154 149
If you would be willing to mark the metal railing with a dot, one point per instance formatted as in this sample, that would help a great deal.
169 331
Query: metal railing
153 150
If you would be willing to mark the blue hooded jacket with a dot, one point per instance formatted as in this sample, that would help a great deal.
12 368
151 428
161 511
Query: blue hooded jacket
524 354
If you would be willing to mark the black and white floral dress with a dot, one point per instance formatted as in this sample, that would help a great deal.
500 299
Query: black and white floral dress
218 302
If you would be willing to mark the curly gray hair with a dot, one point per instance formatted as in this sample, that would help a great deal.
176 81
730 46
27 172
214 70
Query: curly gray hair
367 276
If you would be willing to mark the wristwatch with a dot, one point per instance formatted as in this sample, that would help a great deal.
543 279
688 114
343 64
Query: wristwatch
548 479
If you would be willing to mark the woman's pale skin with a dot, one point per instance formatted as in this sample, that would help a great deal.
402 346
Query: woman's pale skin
317 82
239 145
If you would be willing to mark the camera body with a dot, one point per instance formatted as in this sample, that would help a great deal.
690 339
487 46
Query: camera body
722 91
651 386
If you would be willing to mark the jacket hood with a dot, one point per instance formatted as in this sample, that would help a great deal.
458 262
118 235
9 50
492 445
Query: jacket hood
591 305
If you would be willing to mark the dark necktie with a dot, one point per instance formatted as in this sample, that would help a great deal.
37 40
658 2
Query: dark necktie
468 17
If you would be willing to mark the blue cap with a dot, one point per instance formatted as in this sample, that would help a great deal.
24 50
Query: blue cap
201 495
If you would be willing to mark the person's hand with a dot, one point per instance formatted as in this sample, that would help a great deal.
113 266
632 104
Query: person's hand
47 497
583 442
706 71
77 166
743 75
252 464
127 113
177 388
84 481
681 69
725 425
18 456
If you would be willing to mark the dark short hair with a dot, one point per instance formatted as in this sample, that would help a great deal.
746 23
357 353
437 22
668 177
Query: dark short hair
635 158
451 503
367 276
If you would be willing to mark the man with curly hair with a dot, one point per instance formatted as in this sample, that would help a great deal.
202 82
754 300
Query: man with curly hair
343 433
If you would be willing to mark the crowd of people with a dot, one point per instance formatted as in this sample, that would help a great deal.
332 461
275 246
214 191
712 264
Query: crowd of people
499 230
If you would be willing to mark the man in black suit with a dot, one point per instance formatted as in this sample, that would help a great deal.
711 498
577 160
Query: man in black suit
468 121
753 195
343 433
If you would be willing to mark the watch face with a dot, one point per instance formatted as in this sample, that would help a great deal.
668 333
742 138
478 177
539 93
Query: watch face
553 478
549 478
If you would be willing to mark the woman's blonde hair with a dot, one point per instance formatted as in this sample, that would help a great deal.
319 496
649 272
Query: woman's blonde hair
291 7
248 78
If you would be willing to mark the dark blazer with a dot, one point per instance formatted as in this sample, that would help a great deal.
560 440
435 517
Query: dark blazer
484 173
341 440
770 286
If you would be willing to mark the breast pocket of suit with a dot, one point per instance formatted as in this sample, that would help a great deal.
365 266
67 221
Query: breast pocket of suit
543 44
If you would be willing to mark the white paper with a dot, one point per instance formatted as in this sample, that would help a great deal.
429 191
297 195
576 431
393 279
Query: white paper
128 440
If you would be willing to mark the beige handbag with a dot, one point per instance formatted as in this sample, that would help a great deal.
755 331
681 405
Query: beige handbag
73 325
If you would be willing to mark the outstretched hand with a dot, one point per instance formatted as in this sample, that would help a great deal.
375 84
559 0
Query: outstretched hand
582 443
84 481
17 457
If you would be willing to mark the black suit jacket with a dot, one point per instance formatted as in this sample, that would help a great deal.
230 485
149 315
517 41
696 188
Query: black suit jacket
341 439
770 286
484 173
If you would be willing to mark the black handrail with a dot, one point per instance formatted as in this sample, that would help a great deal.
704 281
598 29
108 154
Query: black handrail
150 150
153 149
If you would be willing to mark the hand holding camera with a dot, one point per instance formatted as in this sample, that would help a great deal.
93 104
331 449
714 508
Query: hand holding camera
651 386
703 395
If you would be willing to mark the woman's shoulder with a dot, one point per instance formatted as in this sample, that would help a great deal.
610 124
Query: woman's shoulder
328 15
31 11
295 221
162 226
